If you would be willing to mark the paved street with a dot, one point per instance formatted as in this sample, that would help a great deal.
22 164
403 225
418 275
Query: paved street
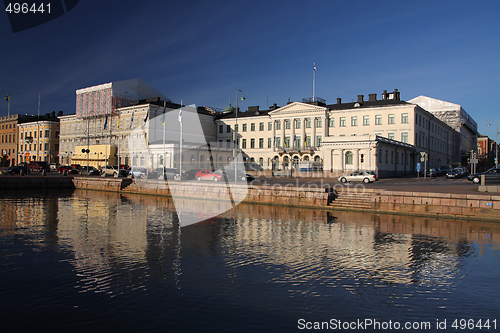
436 185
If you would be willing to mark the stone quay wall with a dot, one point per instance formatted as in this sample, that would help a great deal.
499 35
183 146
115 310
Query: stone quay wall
448 205
442 205
274 195
11 183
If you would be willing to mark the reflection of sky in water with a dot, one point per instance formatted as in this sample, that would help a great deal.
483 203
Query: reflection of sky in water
284 261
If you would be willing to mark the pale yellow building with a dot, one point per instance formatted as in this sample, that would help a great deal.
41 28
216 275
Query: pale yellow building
39 140
384 135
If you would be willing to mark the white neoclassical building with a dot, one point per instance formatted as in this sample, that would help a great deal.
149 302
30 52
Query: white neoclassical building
386 135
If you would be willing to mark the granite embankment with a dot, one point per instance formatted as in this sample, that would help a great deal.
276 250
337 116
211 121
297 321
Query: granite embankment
444 205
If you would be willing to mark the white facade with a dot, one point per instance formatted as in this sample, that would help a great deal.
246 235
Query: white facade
385 135
455 116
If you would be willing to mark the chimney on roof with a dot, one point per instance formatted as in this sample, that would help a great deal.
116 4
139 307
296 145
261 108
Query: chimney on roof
360 98
396 94
339 100
253 108
372 97
384 95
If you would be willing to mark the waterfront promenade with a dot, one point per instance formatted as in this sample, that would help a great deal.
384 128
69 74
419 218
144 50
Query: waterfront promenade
437 197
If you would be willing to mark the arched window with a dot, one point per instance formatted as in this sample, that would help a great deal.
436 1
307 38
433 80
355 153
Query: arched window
202 161
160 160
348 157
306 158
286 161
261 162
191 161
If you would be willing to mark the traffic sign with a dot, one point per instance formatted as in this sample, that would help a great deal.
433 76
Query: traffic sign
474 160
418 167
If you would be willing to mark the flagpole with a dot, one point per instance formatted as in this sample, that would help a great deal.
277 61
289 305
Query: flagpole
8 106
163 123
38 128
180 158
314 79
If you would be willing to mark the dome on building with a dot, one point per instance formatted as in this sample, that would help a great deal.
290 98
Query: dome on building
229 108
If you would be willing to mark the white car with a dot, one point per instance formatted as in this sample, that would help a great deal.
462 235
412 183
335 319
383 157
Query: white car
358 176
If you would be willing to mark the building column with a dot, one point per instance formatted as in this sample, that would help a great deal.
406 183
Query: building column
303 131
324 127
273 142
356 159
282 133
313 136
341 152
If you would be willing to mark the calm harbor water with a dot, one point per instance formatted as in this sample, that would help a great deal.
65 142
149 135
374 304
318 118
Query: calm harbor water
101 262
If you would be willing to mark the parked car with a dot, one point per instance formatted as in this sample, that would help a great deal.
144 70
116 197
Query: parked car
167 173
68 168
431 173
491 174
242 176
16 170
372 172
357 176
136 172
445 168
54 166
77 166
38 166
113 170
91 171
454 173
191 174
207 174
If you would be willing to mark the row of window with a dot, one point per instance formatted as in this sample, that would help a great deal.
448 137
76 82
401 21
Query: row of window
288 125
391 119
6 126
24 134
4 139
46 146
297 143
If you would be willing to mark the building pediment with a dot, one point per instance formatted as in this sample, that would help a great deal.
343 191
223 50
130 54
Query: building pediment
297 108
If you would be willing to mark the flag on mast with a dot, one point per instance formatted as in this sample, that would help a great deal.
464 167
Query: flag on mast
146 119
132 120
314 67
162 118
106 122
305 139
180 115
7 98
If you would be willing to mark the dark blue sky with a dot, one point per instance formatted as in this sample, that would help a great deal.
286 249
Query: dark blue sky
204 51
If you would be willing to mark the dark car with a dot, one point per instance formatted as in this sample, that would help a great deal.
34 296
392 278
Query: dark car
167 173
66 168
491 174
431 173
453 173
16 170
91 170
191 174
242 176
39 166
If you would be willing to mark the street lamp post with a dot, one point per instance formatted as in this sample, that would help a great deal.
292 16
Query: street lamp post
235 150
496 142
